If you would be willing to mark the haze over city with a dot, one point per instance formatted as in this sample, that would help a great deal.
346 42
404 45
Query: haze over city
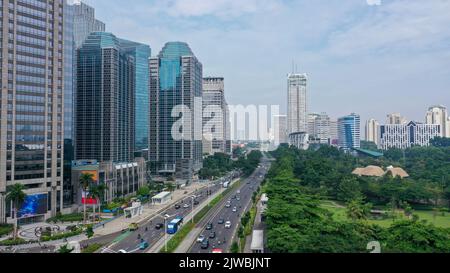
360 58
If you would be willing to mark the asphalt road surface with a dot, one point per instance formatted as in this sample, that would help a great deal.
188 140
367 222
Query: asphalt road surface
131 242
223 236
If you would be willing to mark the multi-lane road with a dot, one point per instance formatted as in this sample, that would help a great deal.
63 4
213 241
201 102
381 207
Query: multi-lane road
148 231
240 202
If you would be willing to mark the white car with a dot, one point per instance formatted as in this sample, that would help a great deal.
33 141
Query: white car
122 251
228 224
186 206
201 238
234 209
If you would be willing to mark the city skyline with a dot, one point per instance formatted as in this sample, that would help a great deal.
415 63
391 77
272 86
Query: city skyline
340 58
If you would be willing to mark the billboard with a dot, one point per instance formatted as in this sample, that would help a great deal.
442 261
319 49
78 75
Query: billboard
34 204
84 195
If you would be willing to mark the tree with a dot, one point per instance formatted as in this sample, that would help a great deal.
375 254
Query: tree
171 187
64 249
234 247
357 210
86 180
97 192
16 195
349 189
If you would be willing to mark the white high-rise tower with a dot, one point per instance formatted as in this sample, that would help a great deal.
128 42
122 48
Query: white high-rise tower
438 115
297 106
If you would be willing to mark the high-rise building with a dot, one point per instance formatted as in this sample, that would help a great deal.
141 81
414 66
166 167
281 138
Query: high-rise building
402 136
334 136
141 54
349 131
395 118
372 131
319 128
32 106
176 78
215 123
297 106
85 23
105 100
438 115
280 129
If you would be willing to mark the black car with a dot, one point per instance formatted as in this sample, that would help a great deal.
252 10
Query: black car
177 206
221 221
209 226
196 202
212 235
204 244
159 226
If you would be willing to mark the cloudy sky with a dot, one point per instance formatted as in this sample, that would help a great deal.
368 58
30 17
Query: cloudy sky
360 57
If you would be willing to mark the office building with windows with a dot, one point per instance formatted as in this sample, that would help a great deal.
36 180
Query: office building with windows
403 136
438 115
176 79
141 54
349 132
372 131
216 123
105 100
32 106
297 104
319 128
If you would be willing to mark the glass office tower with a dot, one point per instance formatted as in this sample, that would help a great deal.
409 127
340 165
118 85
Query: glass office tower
141 54
32 106
104 100
349 132
175 80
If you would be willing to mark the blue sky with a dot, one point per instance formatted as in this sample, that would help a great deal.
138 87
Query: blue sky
368 59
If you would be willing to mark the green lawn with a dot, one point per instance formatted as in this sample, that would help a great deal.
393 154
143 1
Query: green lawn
339 214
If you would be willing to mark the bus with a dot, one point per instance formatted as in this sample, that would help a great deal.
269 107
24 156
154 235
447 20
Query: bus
172 226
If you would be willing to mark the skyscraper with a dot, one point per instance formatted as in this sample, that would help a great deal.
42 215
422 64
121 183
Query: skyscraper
349 131
438 115
215 107
175 99
319 127
372 131
105 100
32 107
85 23
395 118
280 129
297 106
141 54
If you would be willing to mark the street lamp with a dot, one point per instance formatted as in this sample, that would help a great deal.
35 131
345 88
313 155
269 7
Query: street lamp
165 217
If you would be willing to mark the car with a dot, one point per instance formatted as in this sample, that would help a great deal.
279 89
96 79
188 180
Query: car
228 224
209 226
186 206
196 202
239 192
133 227
238 199
212 235
159 226
234 209
221 222
205 244
217 251
143 245
228 205
122 251
177 206
201 238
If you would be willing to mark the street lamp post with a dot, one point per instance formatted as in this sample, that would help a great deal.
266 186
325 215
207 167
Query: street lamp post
192 209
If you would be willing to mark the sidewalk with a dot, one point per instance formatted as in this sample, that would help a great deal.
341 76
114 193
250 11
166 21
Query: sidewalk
150 211
187 242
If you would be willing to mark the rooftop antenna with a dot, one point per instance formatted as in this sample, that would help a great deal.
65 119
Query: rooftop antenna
293 66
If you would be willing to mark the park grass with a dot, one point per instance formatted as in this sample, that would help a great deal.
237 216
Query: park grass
92 248
437 219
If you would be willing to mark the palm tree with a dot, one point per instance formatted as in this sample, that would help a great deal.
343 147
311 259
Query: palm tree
170 187
97 192
16 195
86 179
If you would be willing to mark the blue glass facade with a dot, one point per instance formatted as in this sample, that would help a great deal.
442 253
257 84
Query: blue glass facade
175 79
141 54
349 132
